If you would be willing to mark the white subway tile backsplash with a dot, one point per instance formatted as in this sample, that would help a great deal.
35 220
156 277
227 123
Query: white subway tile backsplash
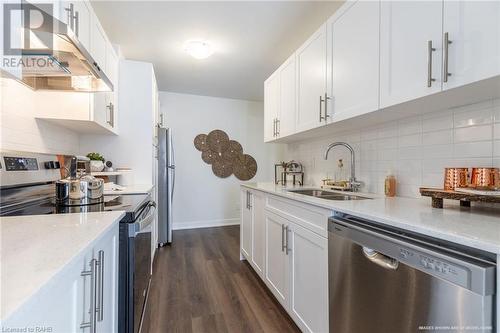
473 117
410 126
473 149
437 151
438 137
496 148
415 149
473 133
436 123
496 131
410 140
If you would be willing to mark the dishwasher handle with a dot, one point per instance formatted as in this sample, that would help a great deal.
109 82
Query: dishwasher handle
380 259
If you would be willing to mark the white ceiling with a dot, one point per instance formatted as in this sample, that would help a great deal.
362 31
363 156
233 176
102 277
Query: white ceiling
251 39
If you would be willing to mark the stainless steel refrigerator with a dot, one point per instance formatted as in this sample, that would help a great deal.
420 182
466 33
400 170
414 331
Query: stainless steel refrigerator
166 185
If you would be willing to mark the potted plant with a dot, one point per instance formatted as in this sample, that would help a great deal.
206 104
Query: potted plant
96 162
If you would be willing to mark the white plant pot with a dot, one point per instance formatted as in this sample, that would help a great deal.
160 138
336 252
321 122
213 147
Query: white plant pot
96 166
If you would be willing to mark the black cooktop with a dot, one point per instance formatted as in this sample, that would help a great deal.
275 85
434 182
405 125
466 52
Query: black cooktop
132 204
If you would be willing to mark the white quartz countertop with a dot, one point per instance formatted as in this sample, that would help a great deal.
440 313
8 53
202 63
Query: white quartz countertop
130 189
35 248
476 227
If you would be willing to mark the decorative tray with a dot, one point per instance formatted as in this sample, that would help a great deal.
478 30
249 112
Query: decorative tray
465 198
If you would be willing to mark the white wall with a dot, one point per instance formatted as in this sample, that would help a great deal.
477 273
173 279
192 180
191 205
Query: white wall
133 147
20 130
416 149
201 198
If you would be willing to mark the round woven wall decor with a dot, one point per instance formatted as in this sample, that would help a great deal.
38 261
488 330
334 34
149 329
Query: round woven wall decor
234 150
244 167
218 141
209 156
200 142
222 167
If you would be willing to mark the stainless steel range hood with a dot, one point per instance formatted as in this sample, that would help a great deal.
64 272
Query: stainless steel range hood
65 66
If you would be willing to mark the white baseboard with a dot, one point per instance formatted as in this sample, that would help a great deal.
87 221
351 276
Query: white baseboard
204 224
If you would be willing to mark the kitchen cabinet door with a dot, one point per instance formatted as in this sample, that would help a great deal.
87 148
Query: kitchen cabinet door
473 30
409 66
354 61
309 279
258 233
246 224
271 106
98 44
311 81
77 15
287 97
277 261
107 251
61 305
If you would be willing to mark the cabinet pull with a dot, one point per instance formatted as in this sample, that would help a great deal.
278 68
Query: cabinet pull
447 42
430 49
77 24
282 237
278 127
320 108
286 241
249 200
100 287
69 13
111 119
91 324
326 107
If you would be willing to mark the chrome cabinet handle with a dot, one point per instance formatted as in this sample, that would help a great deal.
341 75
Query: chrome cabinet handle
77 23
430 49
111 119
100 286
91 324
286 241
278 127
326 107
380 259
249 200
320 108
282 237
447 42
70 16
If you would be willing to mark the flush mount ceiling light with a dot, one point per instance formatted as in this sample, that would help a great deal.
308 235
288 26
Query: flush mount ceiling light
198 49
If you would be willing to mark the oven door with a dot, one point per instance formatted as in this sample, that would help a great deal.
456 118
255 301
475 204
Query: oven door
140 243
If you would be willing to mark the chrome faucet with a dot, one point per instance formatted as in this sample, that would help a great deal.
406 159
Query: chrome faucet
354 185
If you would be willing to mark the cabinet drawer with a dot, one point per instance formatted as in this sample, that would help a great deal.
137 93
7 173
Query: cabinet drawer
308 216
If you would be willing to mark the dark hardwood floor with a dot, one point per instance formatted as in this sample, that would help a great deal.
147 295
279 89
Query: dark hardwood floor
200 285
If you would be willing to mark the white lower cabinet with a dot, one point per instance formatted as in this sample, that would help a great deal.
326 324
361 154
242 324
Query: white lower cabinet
65 303
295 261
308 270
277 261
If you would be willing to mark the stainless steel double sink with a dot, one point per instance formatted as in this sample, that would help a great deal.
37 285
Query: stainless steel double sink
328 195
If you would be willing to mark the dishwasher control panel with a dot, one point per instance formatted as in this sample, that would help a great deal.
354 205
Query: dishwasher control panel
432 265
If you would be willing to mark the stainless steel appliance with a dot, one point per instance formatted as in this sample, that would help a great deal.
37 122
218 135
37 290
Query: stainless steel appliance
166 184
27 188
80 188
384 279
58 61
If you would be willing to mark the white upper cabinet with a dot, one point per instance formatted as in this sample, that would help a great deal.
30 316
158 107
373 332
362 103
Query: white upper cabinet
410 50
287 97
311 80
98 44
354 61
271 106
473 31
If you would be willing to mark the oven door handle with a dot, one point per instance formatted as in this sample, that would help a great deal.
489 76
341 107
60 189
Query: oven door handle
143 224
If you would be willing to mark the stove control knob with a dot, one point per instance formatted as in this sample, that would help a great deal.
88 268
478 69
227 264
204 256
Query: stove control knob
47 165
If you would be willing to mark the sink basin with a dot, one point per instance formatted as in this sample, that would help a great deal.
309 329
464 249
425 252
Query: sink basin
328 195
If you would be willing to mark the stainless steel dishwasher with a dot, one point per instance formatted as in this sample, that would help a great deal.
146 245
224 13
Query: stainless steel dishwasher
390 280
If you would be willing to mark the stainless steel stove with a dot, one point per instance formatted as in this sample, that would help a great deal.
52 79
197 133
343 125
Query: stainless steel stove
27 187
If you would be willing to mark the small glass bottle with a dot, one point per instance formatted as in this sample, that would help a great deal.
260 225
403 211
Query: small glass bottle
390 186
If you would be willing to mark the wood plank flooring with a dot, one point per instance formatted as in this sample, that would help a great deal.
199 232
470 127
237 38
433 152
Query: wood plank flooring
200 285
